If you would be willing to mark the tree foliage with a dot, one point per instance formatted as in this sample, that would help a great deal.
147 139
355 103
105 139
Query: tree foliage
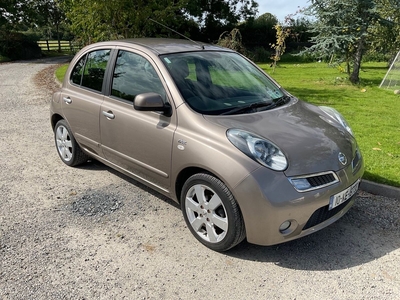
20 15
14 13
282 33
385 36
17 14
95 20
216 16
342 29
259 31
232 40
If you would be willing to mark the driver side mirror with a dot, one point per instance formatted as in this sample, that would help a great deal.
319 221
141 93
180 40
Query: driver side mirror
152 102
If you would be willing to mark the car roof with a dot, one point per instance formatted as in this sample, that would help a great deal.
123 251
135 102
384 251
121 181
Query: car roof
165 45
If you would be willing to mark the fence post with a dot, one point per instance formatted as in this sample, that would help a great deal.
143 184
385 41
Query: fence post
47 43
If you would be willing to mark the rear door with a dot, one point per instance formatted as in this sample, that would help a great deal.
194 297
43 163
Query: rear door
137 141
82 98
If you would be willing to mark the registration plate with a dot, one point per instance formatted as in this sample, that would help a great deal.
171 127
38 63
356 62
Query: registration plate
343 196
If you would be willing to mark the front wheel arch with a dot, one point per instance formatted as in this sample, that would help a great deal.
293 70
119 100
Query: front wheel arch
211 212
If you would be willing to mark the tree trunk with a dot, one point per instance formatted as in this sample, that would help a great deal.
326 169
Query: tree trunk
355 75
58 37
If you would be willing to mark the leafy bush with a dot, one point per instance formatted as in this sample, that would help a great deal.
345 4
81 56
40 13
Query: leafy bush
260 54
376 56
17 46
232 40
30 35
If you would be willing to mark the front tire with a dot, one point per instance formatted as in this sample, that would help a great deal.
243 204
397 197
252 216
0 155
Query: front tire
211 212
67 147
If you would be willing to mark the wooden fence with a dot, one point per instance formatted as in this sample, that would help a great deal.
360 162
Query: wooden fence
62 45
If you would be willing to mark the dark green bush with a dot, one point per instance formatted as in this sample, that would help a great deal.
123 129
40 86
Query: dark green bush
377 56
260 54
16 46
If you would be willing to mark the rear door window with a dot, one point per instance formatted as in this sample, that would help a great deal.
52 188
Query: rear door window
90 69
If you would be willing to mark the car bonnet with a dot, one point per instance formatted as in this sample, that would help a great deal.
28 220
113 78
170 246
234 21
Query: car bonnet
310 139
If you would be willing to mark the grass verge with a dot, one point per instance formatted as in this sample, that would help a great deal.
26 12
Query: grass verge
60 72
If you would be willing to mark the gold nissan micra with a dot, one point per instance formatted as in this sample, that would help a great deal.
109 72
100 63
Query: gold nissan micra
206 127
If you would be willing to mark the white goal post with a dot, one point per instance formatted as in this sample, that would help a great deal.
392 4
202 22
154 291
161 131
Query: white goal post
392 77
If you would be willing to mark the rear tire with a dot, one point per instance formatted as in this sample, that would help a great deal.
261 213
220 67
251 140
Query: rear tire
211 212
67 148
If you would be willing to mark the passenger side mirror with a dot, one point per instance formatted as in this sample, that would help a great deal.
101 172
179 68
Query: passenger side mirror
152 102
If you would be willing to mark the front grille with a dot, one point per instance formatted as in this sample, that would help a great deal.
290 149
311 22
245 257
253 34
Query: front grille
315 181
319 180
322 214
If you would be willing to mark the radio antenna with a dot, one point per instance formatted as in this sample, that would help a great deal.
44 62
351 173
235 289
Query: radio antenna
180 34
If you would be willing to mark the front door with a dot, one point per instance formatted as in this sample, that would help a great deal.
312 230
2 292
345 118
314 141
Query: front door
138 142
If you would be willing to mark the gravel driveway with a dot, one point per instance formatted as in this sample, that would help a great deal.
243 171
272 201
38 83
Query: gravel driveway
91 233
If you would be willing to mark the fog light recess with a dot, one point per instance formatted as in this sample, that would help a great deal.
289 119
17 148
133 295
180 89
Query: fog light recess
284 226
288 227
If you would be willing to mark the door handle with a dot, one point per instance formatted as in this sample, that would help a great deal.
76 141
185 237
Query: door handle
108 114
67 100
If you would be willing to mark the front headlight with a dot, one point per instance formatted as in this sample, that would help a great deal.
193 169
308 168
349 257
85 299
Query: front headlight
333 113
258 148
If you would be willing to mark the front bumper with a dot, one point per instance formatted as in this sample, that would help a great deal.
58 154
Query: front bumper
267 201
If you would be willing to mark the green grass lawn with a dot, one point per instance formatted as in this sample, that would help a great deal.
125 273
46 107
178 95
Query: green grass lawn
373 113
60 72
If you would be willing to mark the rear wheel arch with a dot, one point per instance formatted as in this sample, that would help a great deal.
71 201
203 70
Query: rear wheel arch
54 120
67 148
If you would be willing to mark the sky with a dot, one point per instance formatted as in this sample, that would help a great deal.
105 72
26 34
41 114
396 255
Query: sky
280 8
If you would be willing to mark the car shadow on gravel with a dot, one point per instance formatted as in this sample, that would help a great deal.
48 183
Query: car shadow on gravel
359 237
94 165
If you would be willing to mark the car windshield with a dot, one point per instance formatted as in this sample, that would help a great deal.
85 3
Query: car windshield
216 83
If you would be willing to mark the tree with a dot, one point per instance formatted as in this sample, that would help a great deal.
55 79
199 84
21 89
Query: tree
18 14
282 33
385 36
14 13
217 16
50 15
259 32
21 15
342 29
232 40
96 20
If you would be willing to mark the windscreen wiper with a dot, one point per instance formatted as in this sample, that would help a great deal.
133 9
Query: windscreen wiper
278 102
244 108
266 104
